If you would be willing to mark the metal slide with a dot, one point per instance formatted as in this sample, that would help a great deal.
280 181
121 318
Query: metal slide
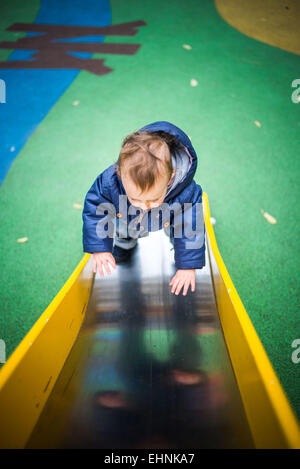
156 372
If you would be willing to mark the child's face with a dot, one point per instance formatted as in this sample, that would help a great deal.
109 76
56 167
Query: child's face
149 199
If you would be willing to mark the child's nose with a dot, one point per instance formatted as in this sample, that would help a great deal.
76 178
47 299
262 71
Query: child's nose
147 206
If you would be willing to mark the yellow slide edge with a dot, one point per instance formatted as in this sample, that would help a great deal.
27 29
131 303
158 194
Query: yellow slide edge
29 375
270 416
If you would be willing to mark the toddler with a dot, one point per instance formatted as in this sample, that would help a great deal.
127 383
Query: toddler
153 178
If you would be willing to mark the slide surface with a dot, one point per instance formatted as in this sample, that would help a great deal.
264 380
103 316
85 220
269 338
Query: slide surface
153 371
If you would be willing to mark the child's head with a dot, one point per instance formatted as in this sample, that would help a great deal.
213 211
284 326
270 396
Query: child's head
145 167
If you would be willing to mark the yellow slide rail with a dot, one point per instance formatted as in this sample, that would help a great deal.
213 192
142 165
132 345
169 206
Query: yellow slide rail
28 376
270 417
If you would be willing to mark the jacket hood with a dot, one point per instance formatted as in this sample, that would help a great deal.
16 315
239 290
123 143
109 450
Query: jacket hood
184 157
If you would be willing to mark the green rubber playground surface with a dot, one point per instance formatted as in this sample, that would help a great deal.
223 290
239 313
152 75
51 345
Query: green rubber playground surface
243 167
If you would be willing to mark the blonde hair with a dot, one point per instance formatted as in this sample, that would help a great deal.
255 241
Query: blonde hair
148 157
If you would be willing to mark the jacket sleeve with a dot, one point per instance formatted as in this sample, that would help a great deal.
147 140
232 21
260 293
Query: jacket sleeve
98 212
189 231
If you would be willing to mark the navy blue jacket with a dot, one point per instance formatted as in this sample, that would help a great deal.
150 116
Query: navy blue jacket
108 186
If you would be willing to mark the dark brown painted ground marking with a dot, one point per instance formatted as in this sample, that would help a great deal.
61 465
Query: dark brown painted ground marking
54 55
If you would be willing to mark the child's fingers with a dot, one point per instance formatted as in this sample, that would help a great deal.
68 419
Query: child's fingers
193 284
100 268
186 287
105 263
175 282
112 261
174 279
179 286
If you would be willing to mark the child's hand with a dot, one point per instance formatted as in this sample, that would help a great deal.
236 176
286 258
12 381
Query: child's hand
101 259
183 278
